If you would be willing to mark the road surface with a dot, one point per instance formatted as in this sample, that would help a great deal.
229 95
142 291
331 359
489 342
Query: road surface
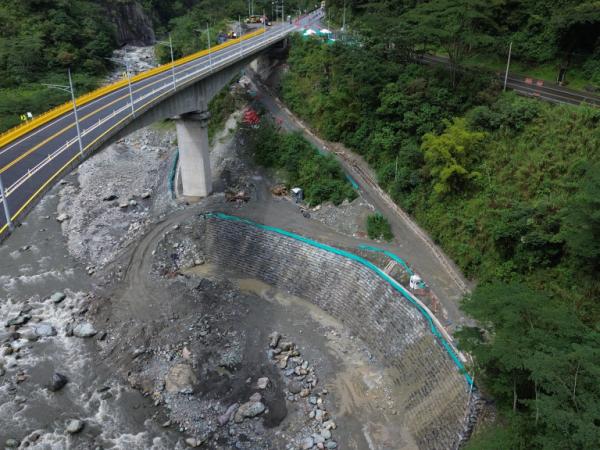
531 87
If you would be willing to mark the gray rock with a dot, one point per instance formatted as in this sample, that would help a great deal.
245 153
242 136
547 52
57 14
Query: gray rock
274 339
146 194
318 438
326 434
58 382
262 383
44 330
312 400
84 330
307 443
110 198
294 387
62 217
256 397
180 379
12 443
226 416
331 444
194 442
74 426
57 297
329 425
7 350
319 415
21 319
249 409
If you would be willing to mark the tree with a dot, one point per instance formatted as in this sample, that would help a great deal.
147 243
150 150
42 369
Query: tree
449 155
540 362
581 224
457 26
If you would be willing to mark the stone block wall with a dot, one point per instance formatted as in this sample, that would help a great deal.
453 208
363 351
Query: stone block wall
435 393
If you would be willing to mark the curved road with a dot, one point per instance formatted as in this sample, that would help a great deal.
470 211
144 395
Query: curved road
34 162
530 87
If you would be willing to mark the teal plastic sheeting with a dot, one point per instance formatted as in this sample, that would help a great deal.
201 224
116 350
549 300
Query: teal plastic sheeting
172 173
391 256
352 182
395 285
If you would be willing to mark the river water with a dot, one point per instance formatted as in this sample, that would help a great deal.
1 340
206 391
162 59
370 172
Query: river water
34 263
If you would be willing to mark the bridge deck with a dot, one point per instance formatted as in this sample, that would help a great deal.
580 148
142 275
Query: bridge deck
32 163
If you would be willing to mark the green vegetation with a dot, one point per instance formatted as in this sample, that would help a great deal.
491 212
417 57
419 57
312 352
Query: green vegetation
221 107
188 21
39 40
320 176
378 227
541 365
547 36
509 187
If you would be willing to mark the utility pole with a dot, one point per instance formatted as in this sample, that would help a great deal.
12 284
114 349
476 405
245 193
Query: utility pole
5 203
128 73
240 36
208 37
70 90
507 66
170 44
172 63
130 90
75 113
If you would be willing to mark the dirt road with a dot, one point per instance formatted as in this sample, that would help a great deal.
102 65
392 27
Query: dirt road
411 242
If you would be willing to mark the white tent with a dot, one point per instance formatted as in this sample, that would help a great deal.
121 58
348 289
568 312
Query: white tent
325 31
310 32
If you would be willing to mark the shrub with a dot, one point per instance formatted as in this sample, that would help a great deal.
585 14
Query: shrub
378 227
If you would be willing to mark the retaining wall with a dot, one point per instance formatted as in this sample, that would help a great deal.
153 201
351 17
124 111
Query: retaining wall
435 393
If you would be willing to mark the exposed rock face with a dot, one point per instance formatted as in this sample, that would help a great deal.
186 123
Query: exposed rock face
132 24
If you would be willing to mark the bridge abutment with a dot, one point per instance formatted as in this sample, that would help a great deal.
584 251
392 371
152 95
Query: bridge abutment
194 159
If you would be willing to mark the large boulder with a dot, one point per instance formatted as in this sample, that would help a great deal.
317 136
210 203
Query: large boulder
58 382
43 330
249 410
84 330
180 379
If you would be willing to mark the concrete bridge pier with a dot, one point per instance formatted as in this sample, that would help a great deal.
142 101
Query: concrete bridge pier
194 160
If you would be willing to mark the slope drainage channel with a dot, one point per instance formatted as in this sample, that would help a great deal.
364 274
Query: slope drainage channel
435 398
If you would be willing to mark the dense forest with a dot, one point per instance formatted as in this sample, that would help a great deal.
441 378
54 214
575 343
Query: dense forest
546 35
508 186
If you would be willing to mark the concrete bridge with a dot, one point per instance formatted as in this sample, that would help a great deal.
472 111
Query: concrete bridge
35 156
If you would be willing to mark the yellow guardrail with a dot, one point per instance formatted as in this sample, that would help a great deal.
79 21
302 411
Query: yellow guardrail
24 128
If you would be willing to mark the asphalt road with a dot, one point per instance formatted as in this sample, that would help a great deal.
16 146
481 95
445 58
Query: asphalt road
531 87
35 161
